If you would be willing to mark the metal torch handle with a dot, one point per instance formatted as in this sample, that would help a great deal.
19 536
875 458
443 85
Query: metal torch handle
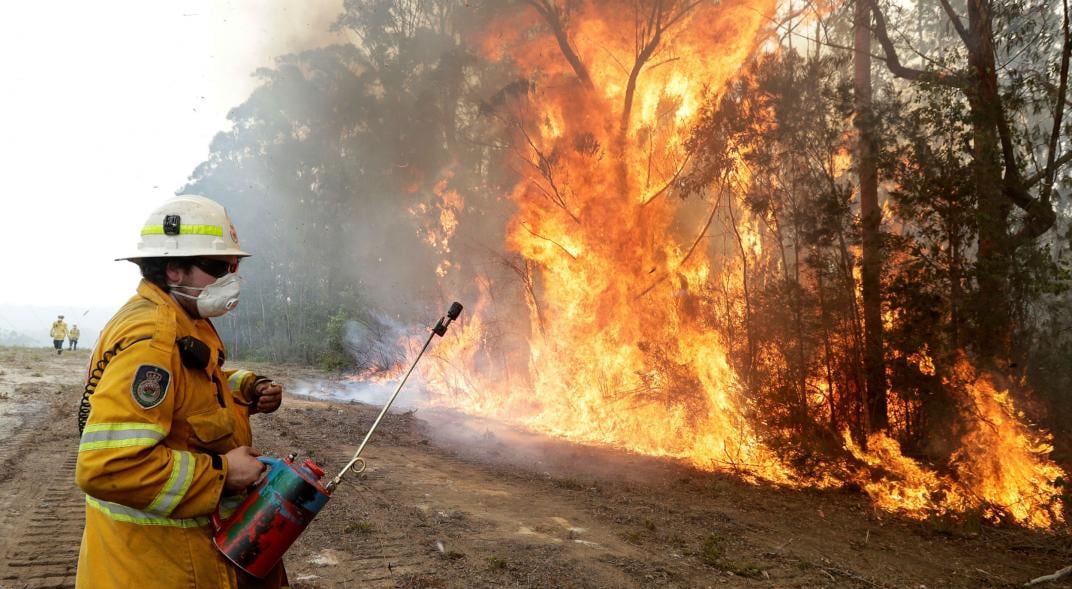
439 329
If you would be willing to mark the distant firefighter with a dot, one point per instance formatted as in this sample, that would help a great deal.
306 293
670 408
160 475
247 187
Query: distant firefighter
59 333
72 338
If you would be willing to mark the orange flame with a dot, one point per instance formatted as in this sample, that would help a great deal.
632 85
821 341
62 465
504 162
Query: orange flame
616 354
1002 468
617 350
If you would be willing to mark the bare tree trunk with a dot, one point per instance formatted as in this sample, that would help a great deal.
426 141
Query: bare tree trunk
956 263
855 333
871 224
996 174
749 337
824 315
798 321
553 15
993 313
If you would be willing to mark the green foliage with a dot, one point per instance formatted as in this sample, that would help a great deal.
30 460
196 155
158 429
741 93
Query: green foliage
711 550
360 527
335 357
569 483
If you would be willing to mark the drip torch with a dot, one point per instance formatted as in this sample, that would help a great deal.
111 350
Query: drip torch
278 508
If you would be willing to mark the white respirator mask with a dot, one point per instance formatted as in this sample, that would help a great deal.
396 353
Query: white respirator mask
215 299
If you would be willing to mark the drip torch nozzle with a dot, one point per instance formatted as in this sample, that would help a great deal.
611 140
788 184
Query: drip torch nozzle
454 311
440 329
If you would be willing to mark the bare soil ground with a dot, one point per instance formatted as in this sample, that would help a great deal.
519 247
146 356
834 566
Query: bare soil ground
450 501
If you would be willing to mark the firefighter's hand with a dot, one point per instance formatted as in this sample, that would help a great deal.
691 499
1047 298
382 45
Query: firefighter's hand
243 468
269 396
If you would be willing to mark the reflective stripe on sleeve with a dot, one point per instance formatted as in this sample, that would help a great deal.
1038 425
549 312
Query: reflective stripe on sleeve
176 486
99 436
185 229
129 515
235 380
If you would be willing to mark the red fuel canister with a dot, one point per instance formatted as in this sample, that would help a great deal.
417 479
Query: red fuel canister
272 516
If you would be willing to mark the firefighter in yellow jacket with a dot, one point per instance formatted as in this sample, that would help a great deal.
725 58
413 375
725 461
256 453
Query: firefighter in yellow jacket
58 333
72 338
165 430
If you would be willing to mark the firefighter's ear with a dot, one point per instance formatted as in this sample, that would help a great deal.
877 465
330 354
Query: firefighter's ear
174 272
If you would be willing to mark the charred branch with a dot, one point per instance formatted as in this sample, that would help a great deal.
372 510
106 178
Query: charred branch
669 184
557 19
524 270
957 23
545 166
692 248
1056 576
1058 110
649 30
548 239
893 61
1050 171
982 89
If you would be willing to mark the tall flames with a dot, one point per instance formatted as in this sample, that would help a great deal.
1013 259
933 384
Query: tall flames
618 352
614 272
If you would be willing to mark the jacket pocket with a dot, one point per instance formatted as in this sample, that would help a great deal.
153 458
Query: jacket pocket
213 430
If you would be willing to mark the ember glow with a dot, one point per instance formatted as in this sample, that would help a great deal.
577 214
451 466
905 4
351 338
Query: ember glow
619 349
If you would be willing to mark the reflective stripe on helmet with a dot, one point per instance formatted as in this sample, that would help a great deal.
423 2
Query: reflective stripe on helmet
129 515
182 475
100 436
185 230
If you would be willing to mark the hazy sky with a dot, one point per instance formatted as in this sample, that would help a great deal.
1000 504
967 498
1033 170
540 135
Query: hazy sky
107 107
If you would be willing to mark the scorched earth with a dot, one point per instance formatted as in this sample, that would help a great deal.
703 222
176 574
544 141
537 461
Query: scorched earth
452 501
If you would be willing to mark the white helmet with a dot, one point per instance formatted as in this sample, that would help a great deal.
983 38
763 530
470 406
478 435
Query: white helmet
188 226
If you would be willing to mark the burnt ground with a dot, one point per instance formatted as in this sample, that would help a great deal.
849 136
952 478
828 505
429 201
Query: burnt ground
450 501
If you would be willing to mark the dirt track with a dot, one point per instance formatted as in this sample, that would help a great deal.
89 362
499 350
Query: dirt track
449 501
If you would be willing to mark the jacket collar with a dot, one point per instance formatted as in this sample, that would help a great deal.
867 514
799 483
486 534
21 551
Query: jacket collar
200 328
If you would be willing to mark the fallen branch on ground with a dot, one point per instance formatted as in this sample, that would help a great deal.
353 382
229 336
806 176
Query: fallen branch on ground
1052 577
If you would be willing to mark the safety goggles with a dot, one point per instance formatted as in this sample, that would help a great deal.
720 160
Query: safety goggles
215 268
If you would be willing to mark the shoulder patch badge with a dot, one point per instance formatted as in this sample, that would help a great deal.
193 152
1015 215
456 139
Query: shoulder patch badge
150 385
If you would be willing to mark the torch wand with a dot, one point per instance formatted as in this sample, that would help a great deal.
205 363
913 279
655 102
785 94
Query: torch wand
357 463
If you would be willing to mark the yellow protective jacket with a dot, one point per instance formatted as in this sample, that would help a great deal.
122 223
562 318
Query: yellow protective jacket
59 329
150 458
73 334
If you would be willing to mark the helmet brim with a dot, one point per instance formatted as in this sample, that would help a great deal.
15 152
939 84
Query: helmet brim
187 254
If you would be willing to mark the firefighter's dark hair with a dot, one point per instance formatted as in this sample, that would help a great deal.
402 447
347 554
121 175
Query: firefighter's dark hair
155 270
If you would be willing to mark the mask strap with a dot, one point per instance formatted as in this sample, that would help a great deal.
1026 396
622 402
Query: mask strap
182 294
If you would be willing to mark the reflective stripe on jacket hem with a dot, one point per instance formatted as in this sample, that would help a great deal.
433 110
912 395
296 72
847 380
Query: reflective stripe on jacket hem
129 515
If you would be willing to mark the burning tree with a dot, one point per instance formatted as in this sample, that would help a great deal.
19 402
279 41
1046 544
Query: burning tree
618 336
653 205
625 303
